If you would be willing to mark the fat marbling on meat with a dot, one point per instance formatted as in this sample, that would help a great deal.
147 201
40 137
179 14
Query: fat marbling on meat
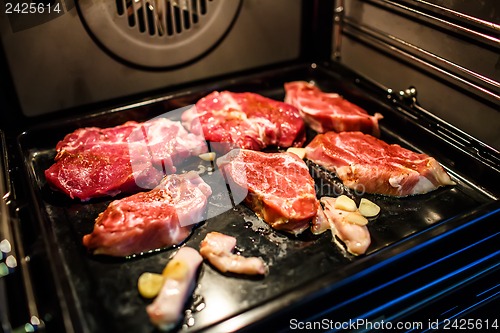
95 162
325 112
151 220
245 120
367 164
276 186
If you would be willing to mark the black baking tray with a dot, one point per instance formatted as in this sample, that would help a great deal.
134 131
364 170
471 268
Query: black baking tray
101 292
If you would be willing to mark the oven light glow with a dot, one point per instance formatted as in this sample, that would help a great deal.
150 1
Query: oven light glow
11 262
32 325
4 270
29 328
5 246
432 217
35 321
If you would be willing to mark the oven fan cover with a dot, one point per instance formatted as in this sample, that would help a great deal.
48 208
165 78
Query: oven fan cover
158 33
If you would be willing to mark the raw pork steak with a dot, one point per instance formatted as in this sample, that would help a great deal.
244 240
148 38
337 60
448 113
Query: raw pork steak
276 186
93 162
367 164
245 120
325 112
150 220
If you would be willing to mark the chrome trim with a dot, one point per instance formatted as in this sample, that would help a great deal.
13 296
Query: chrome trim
409 96
5 236
7 248
466 79
338 20
422 16
35 322
453 13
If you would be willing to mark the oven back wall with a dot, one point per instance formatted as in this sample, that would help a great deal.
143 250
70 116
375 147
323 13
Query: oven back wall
57 65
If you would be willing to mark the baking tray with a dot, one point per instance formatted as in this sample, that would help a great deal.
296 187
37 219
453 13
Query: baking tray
101 292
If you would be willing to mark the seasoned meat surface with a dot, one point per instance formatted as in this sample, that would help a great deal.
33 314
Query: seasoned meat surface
94 162
245 120
367 164
151 220
276 186
325 112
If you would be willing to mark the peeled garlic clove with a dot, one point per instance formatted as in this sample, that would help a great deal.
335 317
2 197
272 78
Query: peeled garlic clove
368 208
345 203
176 270
207 156
149 284
356 218
300 152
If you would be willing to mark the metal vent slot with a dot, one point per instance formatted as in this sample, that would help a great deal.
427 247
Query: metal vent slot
159 33
162 17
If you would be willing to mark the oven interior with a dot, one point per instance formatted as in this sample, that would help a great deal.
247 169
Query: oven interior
425 250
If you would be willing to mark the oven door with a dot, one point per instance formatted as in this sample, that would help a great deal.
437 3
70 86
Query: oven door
6 242
28 296
9 259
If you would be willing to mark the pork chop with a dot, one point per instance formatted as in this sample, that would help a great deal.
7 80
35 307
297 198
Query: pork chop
276 186
245 120
367 164
94 162
325 112
151 220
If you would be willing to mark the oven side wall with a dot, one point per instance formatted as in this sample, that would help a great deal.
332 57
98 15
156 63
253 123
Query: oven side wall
453 63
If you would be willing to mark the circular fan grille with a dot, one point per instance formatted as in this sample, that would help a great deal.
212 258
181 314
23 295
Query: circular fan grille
158 33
